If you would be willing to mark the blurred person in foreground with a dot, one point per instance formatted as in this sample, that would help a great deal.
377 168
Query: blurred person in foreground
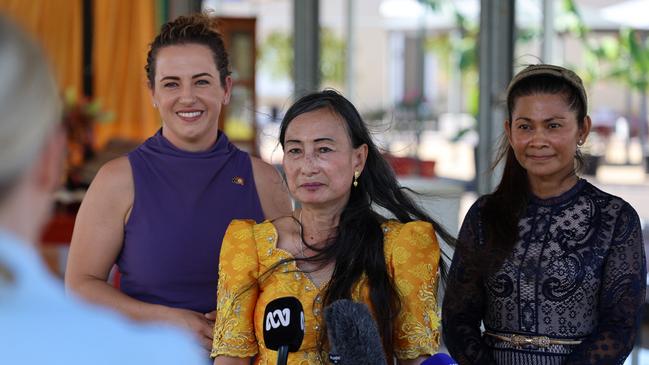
553 267
38 322
160 212
336 246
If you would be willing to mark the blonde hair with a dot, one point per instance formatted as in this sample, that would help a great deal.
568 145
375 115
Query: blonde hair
30 104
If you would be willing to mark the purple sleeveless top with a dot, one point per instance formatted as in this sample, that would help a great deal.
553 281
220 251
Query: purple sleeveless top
184 201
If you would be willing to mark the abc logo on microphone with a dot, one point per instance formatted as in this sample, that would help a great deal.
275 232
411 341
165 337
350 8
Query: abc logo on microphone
282 318
284 324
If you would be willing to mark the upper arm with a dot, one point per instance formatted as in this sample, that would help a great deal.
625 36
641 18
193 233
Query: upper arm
271 189
623 293
414 261
234 332
624 274
464 297
625 264
99 227
464 275
621 298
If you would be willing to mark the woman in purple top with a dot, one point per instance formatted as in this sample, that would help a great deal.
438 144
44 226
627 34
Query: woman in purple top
160 213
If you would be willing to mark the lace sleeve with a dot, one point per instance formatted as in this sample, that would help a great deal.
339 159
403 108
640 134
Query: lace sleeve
464 298
621 296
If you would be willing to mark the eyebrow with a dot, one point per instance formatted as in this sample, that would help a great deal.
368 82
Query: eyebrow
176 78
547 120
322 139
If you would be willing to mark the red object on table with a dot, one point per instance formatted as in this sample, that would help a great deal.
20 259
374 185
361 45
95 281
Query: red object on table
410 166
426 168
402 166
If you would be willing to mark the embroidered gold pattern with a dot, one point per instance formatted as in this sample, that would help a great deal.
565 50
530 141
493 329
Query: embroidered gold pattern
226 339
241 261
249 249
401 255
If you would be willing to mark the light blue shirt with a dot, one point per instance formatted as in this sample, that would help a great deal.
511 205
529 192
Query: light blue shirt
40 324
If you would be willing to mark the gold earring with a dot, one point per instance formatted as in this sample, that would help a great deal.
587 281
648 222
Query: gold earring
356 175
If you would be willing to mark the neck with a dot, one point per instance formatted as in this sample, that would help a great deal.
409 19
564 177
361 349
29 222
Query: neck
198 145
552 187
319 224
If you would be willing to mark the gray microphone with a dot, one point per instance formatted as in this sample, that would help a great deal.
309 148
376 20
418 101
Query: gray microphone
353 336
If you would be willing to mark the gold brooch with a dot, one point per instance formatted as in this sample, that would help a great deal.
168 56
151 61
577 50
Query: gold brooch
238 180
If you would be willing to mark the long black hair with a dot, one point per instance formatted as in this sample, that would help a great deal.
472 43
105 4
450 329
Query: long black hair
357 247
503 208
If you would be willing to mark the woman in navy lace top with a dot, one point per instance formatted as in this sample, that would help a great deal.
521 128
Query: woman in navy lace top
551 266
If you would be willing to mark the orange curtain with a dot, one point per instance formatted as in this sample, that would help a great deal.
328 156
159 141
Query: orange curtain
58 26
123 30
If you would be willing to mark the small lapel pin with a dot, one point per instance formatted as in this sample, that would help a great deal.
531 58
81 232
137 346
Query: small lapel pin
238 180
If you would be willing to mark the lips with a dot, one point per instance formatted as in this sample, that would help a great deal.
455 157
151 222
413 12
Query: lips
189 115
311 186
540 158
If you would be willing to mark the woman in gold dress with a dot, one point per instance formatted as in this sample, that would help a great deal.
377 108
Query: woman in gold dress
336 246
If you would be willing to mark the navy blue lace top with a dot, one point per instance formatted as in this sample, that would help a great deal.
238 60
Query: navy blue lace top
577 272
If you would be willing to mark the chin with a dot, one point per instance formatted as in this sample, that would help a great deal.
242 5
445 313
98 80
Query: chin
310 200
313 200
196 132
543 173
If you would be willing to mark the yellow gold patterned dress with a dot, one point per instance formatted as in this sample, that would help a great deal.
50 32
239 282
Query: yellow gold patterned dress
249 250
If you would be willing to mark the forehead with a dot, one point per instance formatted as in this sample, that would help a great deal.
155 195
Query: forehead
542 103
319 123
184 59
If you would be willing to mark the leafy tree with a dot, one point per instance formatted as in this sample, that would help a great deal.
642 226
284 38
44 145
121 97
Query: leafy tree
624 58
276 56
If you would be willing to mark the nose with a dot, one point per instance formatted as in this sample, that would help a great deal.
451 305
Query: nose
310 165
187 96
538 138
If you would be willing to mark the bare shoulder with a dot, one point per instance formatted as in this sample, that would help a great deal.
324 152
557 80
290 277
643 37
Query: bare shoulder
99 226
271 189
116 171
264 171
113 185
115 175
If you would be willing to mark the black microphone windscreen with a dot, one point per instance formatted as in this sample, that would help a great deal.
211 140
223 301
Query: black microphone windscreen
284 324
439 359
353 335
